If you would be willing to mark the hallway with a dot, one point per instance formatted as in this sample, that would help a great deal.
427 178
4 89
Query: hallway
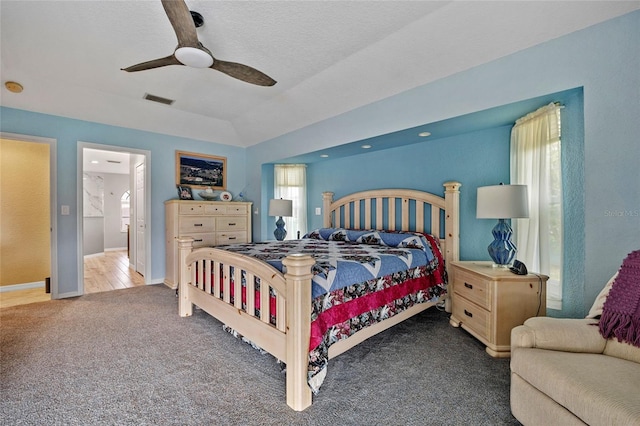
109 272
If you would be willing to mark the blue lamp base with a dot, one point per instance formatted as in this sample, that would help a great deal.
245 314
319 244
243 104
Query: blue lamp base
280 233
502 250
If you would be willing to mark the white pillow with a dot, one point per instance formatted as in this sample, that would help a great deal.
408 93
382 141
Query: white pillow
596 309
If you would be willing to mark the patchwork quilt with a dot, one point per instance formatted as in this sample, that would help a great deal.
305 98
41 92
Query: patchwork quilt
360 278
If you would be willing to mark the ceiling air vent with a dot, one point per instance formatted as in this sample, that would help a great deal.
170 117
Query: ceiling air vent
114 161
158 99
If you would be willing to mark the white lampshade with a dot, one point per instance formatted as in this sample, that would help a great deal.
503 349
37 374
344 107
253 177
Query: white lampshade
502 202
280 207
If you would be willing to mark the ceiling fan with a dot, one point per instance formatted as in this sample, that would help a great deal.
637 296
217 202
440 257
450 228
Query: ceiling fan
192 53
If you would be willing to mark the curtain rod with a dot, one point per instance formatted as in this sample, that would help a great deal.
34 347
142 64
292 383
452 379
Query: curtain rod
537 112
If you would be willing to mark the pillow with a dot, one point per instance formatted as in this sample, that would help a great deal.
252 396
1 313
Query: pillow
401 239
596 309
408 239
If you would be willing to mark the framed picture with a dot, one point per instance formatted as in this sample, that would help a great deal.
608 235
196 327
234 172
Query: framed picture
184 192
201 170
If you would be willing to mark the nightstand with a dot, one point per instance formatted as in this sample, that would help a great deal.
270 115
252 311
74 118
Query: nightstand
488 302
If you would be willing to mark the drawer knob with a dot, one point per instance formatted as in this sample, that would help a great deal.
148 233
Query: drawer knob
232 224
197 224
469 286
467 313
232 238
198 241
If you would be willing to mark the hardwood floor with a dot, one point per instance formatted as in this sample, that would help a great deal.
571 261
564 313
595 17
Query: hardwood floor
23 297
101 273
109 272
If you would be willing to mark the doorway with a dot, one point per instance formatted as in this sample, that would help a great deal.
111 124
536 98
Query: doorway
42 238
113 205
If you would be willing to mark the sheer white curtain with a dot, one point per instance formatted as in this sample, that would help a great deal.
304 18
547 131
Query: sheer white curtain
535 162
290 183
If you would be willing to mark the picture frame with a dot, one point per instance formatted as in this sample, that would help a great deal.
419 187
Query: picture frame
184 192
201 170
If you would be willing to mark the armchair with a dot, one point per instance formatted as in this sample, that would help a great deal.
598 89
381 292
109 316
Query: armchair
564 372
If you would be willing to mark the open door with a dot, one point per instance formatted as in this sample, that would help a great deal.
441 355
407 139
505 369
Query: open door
140 219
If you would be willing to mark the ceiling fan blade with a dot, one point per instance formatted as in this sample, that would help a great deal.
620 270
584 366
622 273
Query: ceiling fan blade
182 22
156 63
243 72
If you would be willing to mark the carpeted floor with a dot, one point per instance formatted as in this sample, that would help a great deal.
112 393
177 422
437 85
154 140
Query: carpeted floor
126 357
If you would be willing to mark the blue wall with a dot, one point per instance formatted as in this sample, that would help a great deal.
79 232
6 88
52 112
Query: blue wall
605 179
68 132
474 159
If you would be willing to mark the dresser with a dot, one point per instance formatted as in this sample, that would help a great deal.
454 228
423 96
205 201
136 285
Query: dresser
209 223
488 302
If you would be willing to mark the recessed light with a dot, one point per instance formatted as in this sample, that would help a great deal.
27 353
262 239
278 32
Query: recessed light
324 155
365 146
13 87
424 134
94 161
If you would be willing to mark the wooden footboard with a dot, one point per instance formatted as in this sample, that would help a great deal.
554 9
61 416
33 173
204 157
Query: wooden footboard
207 276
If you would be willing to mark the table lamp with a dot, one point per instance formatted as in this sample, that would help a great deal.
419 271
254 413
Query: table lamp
280 208
502 202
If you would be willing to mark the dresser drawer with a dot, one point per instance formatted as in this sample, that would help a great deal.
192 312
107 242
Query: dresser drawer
216 209
231 237
472 316
473 288
231 223
237 209
202 240
191 209
188 225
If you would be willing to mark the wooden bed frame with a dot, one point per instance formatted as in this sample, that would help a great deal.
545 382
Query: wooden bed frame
288 340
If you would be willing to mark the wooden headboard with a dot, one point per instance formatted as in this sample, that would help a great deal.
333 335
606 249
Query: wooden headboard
400 210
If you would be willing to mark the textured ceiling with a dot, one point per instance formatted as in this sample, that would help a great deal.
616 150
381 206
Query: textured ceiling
328 57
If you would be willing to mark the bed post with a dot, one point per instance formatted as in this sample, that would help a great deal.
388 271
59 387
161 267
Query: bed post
185 307
452 227
327 199
452 220
298 328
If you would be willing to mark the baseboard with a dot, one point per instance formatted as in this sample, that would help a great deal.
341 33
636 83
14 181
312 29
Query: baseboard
89 256
115 249
25 286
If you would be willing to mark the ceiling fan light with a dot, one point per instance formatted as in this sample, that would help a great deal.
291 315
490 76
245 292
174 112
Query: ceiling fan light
192 57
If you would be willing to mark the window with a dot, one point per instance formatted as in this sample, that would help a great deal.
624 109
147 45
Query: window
290 183
535 162
124 211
